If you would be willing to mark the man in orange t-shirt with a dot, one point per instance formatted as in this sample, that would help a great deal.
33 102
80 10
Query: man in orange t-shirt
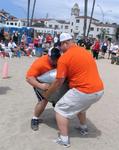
79 67
39 67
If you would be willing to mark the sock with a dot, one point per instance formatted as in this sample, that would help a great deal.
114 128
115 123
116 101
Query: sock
64 138
84 126
35 117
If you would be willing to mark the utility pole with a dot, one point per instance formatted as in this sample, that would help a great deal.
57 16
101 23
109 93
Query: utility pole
28 10
91 17
85 17
34 4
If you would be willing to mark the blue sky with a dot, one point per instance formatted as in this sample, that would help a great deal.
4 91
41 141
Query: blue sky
106 10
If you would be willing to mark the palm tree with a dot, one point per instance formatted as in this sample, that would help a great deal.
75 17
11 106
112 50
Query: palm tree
85 17
28 10
91 17
34 4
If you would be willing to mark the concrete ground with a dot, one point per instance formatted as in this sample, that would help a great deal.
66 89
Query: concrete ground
17 101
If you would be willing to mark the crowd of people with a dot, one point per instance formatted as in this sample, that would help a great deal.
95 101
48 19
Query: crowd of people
15 45
102 48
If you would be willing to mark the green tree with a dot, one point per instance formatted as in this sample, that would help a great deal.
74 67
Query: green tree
117 33
41 24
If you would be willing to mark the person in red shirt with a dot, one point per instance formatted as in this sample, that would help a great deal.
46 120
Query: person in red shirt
96 48
41 65
49 39
86 87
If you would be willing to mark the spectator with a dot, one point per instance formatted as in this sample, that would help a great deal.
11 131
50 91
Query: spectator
96 48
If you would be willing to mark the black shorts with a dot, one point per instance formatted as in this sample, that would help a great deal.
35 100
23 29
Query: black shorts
38 94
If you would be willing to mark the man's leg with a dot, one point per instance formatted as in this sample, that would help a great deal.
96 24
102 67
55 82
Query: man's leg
83 126
39 108
97 55
63 125
82 117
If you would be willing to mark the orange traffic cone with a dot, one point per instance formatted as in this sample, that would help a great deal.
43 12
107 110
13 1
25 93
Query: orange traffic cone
5 71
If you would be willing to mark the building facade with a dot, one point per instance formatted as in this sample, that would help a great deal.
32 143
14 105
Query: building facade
74 26
96 29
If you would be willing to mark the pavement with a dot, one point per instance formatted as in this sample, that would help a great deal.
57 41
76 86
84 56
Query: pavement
17 101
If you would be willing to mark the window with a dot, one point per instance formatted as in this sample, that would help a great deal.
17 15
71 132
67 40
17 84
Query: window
61 26
108 30
11 23
7 23
97 29
66 27
71 30
50 26
15 24
76 27
77 21
56 26
72 23
91 29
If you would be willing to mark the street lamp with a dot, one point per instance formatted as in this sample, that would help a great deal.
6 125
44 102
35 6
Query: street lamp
108 19
102 12
103 21
102 30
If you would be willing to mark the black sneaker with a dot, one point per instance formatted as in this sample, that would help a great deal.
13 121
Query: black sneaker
83 131
53 104
35 124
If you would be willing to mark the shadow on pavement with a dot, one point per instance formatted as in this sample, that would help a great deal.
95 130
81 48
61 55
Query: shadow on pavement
49 120
4 90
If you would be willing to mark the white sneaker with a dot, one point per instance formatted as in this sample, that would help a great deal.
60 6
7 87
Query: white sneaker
59 141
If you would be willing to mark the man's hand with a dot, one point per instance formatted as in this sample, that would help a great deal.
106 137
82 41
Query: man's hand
53 87
44 86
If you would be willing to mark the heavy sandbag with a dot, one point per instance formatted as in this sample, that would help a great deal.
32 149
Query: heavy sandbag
49 77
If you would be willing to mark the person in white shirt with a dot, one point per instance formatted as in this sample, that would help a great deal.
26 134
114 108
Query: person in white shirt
110 48
12 46
55 39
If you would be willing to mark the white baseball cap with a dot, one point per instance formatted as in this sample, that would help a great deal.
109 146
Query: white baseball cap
65 37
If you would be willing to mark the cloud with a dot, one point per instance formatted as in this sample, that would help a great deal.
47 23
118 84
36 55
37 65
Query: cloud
55 8
62 8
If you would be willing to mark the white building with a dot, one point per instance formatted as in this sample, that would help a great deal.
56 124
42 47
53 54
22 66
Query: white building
16 22
74 26
52 26
58 25
77 24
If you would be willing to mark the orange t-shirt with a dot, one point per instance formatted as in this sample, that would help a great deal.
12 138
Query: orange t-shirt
79 67
39 66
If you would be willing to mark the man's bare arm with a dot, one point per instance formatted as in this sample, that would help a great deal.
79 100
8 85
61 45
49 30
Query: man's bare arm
54 86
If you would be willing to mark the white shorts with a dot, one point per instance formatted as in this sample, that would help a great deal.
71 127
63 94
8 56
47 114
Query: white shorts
75 101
